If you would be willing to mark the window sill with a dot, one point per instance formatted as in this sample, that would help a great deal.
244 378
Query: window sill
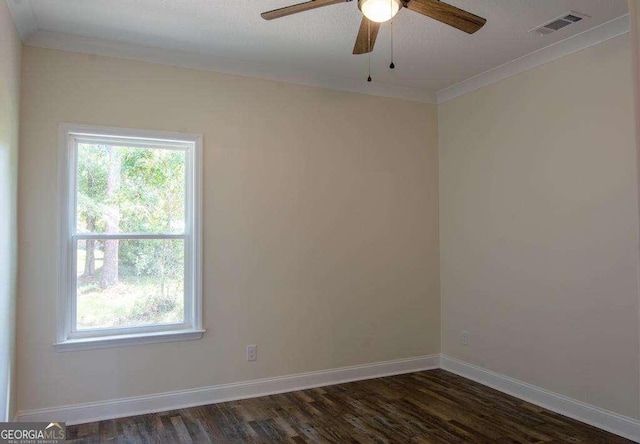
127 340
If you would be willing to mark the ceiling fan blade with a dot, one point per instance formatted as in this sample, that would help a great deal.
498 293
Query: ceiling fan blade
301 7
450 15
363 44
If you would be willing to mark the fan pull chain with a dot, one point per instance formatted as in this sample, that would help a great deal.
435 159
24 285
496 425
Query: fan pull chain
369 47
392 65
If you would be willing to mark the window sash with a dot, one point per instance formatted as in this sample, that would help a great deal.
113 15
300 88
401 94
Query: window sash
125 236
187 300
69 137
138 142
76 139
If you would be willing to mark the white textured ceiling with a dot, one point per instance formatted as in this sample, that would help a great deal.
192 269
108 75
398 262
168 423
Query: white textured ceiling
429 56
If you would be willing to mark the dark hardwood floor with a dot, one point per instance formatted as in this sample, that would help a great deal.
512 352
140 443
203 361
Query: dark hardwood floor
425 407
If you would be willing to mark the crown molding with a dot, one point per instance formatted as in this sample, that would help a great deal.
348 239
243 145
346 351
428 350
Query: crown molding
208 62
27 28
585 39
23 18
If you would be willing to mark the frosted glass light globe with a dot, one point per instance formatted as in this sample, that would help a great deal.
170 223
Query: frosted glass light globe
379 10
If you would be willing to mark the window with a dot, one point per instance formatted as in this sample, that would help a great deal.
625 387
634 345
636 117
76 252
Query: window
130 262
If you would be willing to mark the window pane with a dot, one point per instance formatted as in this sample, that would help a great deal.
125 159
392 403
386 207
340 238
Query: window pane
129 283
130 189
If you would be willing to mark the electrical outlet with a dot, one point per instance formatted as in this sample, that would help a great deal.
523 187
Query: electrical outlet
464 337
252 353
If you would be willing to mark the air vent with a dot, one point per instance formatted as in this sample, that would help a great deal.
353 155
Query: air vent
559 23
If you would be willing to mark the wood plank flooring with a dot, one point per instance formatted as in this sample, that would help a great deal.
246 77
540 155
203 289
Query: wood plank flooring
425 407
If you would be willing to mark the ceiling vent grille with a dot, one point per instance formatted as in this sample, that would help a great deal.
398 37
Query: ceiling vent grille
559 23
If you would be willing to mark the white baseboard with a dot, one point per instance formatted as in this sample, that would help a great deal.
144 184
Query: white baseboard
587 413
118 408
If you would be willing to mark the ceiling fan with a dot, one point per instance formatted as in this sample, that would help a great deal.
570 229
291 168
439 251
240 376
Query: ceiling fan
377 12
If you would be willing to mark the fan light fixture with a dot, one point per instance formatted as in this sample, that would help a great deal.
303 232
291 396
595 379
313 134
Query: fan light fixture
379 11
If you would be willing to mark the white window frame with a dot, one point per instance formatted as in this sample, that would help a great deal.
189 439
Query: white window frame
67 338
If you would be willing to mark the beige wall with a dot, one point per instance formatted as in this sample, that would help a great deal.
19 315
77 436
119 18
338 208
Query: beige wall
320 226
10 50
539 227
